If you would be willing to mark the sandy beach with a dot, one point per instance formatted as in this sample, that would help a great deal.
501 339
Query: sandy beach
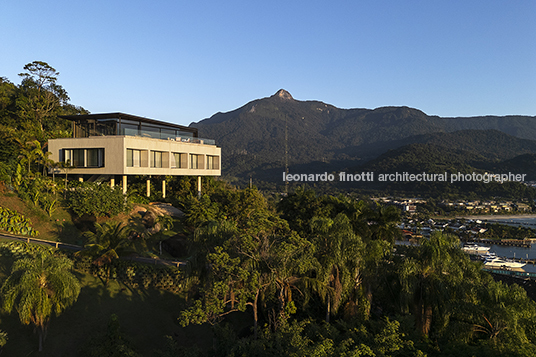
525 220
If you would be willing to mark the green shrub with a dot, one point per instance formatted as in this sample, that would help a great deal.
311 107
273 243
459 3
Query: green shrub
134 274
13 222
96 200
18 250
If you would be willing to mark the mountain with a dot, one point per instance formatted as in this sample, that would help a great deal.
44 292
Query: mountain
318 136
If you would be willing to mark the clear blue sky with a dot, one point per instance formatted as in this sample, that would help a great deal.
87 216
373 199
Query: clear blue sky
183 61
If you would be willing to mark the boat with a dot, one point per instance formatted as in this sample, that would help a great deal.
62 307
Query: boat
475 248
506 263
489 256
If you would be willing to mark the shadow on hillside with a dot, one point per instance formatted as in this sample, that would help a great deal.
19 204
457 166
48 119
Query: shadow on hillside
67 232
146 316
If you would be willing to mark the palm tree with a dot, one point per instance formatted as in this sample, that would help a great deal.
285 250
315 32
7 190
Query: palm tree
338 252
31 151
501 312
383 223
39 286
46 162
286 259
108 243
430 279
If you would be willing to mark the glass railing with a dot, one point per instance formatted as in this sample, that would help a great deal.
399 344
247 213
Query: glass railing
165 136
191 139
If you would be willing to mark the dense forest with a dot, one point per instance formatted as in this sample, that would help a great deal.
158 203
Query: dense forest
320 276
301 274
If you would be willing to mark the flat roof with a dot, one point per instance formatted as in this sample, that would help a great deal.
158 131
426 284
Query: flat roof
127 117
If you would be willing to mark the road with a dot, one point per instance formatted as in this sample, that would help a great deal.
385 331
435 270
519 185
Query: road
72 247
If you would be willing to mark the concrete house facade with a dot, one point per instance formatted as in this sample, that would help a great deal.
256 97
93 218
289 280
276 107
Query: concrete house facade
118 144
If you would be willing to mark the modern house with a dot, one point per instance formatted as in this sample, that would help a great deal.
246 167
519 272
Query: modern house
118 144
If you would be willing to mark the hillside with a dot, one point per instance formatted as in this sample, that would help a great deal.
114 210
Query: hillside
323 137
431 158
527 162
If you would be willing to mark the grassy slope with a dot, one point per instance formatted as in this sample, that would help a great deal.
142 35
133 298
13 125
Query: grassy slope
59 227
146 317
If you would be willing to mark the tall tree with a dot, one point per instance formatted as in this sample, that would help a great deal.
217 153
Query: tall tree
42 97
339 254
239 256
38 287
429 279
231 280
289 259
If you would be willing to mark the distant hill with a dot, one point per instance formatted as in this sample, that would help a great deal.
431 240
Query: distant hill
491 144
523 163
416 158
323 137
431 158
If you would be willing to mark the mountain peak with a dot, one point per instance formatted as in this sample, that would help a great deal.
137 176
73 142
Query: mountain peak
283 94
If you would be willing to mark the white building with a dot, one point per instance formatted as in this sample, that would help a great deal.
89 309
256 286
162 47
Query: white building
118 144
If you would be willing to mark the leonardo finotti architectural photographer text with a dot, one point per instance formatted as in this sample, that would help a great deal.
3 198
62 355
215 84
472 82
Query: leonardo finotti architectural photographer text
404 177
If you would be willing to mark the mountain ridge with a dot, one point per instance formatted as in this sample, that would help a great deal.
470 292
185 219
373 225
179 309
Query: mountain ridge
252 136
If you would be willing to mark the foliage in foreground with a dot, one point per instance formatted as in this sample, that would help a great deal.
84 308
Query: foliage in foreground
309 338
339 264
38 287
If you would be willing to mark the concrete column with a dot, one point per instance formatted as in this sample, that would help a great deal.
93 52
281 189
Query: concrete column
163 188
199 186
112 182
124 184
148 187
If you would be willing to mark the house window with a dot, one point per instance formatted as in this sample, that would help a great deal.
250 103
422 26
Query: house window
133 158
67 156
95 158
84 157
179 160
213 162
156 158
78 158
195 161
